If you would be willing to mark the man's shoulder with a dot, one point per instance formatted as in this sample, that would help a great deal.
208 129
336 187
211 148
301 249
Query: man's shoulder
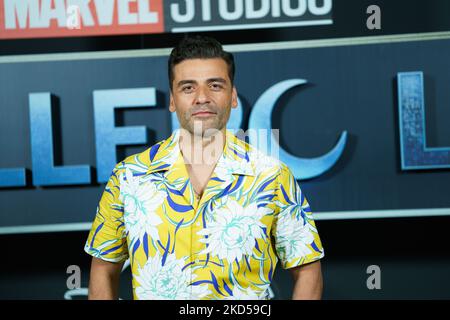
141 161
262 162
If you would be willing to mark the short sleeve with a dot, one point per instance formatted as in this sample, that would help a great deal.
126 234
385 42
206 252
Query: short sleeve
297 240
107 238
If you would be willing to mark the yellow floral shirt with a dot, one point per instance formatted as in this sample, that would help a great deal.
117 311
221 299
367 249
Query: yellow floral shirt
224 245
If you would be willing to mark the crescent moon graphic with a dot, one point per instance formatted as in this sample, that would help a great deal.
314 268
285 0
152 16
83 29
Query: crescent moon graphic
261 118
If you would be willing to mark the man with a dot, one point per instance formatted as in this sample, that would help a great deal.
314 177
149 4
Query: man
202 214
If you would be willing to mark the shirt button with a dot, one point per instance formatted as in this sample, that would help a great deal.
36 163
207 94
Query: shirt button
197 224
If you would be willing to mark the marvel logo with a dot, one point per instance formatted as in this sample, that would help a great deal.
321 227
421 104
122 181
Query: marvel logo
24 14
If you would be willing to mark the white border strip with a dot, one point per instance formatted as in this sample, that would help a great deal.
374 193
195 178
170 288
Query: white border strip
334 215
255 26
59 227
376 214
282 45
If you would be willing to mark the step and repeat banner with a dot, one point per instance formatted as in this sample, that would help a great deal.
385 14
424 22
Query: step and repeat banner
62 18
304 19
363 127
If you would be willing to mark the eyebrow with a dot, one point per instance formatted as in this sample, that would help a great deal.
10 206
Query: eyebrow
188 81
221 80
183 82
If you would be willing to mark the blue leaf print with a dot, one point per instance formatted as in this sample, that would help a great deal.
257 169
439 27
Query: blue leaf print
197 283
239 155
160 244
264 229
207 260
184 187
96 231
154 151
302 196
267 197
285 195
175 191
138 174
248 264
238 184
314 246
178 207
175 235
225 191
120 225
146 244
118 208
302 214
215 263
239 267
166 250
162 167
270 272
257 246
136 245
215 284
265 184
111 250
179 225
187 265
271 269
109 191
307 209
227 289
203 217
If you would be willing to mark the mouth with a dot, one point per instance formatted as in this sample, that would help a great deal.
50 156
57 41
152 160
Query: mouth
203 113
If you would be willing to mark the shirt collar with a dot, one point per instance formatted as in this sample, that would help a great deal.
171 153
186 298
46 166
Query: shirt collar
235 155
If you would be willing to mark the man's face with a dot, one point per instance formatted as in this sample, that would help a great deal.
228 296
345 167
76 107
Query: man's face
202 94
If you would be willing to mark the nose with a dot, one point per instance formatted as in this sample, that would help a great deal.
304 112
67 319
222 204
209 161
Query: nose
202 96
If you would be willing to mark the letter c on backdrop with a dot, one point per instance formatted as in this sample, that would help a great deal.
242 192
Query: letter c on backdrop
261 118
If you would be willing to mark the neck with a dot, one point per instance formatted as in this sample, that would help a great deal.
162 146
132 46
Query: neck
201 150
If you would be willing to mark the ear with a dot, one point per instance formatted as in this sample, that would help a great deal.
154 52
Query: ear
171 104
234 98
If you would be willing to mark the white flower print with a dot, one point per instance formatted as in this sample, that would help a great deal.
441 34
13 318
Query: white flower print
292 237
261 162
140 202
246 294
168 281
234 231
226 167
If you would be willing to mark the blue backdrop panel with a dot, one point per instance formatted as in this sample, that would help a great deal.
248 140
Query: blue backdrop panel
349 89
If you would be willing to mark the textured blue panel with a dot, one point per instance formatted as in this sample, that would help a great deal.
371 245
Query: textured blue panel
44 171
302 168
411 107
107 135
12 177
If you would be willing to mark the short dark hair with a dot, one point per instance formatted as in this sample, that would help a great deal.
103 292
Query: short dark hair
199 47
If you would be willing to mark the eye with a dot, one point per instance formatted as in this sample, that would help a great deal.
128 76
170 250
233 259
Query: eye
187 89
216 86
